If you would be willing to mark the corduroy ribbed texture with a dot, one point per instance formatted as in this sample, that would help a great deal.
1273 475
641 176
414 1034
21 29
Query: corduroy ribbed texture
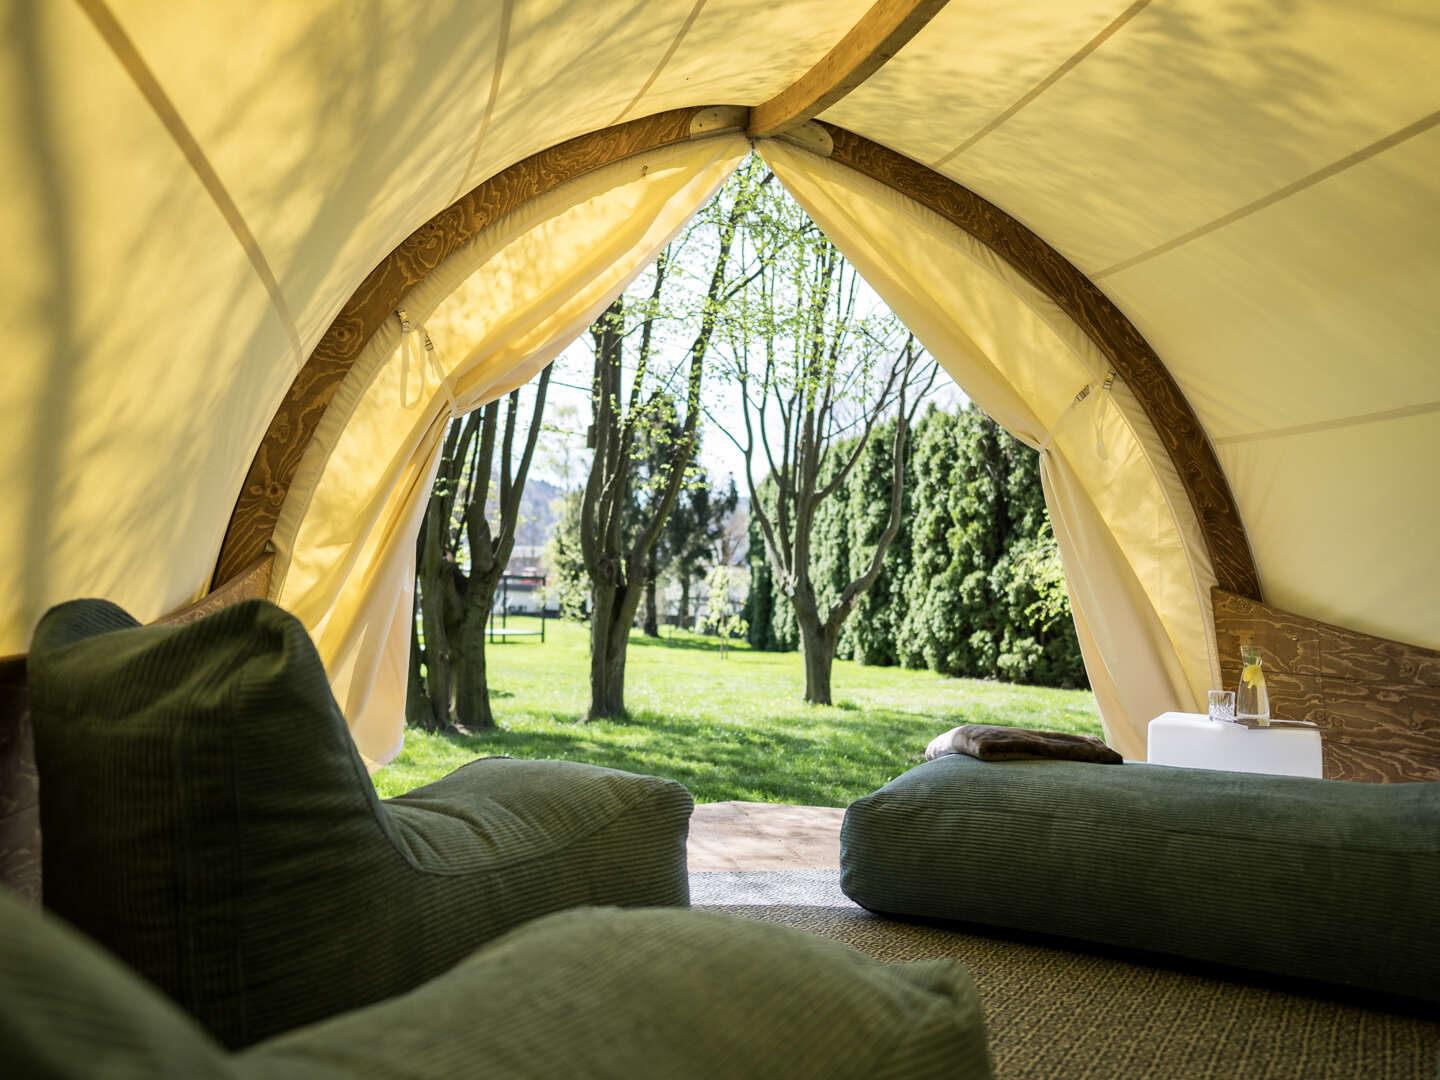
589 993
68 1010
208 820
664 994
1310 878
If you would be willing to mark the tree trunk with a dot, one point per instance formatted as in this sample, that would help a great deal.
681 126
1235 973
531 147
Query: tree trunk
685 599
439 678
652 621
818 648
817 638
472 692
617 566
609 638
417 705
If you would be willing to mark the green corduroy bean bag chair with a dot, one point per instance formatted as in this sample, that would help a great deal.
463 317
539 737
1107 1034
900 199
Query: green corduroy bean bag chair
206 817
1316 879
587 993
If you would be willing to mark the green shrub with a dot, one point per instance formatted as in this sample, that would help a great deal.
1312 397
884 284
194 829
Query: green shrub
971 586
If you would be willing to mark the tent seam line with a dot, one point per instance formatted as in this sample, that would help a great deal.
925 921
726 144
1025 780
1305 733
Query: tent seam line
143 77
664 60
1049 81
1395 138
1327 425
502 45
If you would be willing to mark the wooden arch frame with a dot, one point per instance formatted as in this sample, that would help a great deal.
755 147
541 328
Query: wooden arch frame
273 468
1103 323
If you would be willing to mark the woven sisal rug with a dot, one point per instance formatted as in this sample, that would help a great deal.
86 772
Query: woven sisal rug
1054 1013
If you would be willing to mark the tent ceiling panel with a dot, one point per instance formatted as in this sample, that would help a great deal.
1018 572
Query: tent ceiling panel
880 33
1313 310
570 69
332 127
133 318
970 65
338 130
1305 337
1188 111
717 60
1344 524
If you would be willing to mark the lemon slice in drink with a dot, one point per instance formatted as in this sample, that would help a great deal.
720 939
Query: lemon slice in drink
1253 676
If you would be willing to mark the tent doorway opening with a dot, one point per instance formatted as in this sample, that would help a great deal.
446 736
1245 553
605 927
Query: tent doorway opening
747 437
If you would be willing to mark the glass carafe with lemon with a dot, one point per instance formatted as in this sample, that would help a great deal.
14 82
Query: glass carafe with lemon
1252 702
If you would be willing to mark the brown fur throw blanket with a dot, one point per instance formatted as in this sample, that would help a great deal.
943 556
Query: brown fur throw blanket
995 742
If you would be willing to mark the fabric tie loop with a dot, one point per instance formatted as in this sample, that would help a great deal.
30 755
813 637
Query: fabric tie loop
1100 391
426 360
1102 399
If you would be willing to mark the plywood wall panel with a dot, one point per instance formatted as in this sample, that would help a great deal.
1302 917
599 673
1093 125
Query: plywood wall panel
1376 701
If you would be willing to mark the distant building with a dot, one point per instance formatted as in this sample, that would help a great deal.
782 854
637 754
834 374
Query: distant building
522 589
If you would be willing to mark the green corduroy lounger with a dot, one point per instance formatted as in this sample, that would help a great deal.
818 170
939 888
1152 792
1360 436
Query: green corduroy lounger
206 818
1316 879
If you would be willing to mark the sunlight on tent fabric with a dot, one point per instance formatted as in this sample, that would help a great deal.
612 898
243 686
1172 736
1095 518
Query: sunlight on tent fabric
132 317
1325 325
336 130
718 60
497 310
1188 111
932 96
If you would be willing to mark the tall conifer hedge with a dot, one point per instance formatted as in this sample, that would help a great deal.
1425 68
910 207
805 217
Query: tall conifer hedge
971 585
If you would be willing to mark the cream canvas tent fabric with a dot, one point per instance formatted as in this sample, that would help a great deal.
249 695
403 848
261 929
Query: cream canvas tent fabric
1138 572
496 312
189 193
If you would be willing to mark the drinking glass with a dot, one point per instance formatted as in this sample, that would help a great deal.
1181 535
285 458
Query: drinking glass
1222 705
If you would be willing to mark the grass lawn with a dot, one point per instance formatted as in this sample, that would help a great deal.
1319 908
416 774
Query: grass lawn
727 727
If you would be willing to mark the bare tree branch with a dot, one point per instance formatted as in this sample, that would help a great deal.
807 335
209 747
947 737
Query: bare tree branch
904 419
870 418
685 449
510 502
477 528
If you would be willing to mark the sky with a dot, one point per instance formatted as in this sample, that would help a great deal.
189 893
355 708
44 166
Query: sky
564 461
562 458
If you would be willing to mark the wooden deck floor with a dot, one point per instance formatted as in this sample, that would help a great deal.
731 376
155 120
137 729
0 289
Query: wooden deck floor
764 836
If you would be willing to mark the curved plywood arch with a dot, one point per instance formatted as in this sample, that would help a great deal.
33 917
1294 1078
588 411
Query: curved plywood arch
878 36
273 468
1116 337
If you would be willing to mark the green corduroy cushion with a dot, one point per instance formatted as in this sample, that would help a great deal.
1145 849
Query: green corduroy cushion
68 1010
665 994
206 817
1311 878
588 993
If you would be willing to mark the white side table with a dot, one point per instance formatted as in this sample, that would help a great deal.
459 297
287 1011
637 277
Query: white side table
1194 741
